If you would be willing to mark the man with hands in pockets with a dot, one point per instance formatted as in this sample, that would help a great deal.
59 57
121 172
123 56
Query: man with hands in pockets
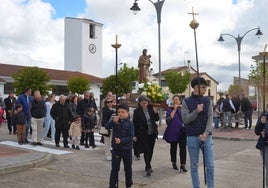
197 114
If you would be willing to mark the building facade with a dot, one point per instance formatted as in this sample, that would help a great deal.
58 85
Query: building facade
58 78
83 46
212 84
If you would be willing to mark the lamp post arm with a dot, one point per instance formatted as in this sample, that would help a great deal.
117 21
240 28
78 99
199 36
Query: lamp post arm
250 31
237 39
158 7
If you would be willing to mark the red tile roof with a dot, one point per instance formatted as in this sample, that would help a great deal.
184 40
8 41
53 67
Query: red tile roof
8 70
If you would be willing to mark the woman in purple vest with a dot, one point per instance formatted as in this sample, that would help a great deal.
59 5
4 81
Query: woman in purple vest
175 133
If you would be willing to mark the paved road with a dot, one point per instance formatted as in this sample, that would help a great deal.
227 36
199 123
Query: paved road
237 165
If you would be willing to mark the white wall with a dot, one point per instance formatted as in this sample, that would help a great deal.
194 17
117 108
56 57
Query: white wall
77 56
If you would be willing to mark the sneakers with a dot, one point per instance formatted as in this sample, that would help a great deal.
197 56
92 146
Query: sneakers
73 146
77 148
34 143
39 144
66 146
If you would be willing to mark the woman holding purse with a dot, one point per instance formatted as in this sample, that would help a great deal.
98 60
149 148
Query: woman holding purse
175 133
107 112
145 130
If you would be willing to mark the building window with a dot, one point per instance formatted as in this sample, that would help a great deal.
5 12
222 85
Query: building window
209 83
163 83
8 88
91 31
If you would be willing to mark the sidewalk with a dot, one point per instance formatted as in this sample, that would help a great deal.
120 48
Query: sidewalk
14 159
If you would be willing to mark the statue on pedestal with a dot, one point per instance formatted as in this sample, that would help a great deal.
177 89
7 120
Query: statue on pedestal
144 64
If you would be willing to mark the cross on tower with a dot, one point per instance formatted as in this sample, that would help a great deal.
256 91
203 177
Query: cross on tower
193 13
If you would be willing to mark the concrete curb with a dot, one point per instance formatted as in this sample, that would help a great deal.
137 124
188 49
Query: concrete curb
234 139
48 157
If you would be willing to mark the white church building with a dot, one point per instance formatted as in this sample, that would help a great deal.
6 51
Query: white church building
82 57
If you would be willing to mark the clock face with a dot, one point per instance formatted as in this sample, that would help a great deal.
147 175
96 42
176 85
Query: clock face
92 48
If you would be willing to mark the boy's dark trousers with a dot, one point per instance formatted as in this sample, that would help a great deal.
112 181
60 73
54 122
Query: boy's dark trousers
127 161
90 140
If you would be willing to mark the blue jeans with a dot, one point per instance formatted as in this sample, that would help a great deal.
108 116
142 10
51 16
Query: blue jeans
28 125
49 124
216 122
194 146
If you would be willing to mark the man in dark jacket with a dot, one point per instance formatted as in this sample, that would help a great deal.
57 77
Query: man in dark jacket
37 111
247 110
236 102
62 115
227 107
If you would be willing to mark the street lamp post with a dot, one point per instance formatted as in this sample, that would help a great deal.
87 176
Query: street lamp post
116 46
158 7
238 40
264 54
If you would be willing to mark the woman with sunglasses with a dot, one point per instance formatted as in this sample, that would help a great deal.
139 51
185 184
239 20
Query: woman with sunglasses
107 112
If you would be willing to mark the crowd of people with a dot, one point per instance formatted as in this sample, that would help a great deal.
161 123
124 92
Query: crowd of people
45 118
229 110
129 129
189 126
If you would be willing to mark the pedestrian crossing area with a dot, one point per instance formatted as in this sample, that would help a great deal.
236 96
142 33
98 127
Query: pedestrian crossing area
48 146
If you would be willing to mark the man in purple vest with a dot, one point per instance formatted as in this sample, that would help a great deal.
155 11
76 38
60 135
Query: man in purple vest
197 114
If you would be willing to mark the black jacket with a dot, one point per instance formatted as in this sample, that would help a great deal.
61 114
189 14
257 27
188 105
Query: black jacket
62 115
140 121
260 127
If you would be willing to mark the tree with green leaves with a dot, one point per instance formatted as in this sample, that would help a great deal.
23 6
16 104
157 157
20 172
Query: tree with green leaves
31 77
234 90
177 82
78 84
126 76
256 73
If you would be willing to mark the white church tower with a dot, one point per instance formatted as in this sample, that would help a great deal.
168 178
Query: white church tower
83 46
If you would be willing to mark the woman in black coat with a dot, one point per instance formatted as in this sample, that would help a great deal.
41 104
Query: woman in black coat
145 128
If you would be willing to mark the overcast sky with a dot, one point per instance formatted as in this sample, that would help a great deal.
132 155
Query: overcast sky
32 33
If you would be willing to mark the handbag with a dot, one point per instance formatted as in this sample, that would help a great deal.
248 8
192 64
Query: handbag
104 131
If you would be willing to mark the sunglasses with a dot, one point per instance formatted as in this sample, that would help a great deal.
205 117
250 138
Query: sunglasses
109 102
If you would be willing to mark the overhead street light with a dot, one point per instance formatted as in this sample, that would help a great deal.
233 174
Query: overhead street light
238 40
158 7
